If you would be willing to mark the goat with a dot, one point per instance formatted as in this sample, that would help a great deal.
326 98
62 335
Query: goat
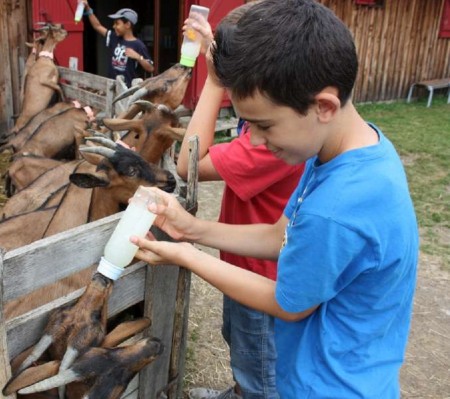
150 136
167 88
112 175
70 332
24 170
36 48
153 133
15 140
109 370
60 136
42 79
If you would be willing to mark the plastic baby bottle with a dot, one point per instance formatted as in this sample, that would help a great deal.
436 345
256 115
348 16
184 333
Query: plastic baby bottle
190 47
79 12
136 220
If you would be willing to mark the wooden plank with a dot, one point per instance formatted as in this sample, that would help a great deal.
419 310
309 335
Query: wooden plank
85 97
85 79
163 288
6 98
24 330
5 369
132 389
58 256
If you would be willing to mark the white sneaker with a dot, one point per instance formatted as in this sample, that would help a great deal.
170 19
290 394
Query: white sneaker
207 393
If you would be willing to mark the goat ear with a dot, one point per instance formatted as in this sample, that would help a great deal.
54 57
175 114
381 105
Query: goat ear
92 158
86 180
124 331
177 133
123 124
31 376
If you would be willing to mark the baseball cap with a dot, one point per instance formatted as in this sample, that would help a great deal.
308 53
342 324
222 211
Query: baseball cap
126 13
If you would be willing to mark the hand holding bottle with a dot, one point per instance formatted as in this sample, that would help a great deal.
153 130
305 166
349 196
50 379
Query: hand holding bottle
201 26
192 40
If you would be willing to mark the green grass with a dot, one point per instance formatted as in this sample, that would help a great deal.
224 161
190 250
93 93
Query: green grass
422 137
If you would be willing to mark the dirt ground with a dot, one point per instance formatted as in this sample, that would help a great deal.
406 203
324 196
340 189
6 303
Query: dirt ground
425 374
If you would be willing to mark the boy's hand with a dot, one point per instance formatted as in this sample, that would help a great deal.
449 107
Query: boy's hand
163 252
172 218
130 53
201 25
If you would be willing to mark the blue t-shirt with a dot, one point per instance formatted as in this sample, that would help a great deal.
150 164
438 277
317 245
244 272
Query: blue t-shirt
351 246
120 64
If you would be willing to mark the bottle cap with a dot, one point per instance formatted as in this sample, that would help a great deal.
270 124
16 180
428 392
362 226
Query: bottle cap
109 270
187 61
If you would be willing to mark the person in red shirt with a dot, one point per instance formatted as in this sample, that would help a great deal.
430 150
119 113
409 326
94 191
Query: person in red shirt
257 188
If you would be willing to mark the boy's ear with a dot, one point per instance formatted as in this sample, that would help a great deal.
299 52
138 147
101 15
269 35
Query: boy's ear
327 104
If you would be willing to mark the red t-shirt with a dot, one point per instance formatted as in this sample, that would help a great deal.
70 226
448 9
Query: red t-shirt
258 186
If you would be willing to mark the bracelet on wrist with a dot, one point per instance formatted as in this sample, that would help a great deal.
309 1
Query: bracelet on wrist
88 12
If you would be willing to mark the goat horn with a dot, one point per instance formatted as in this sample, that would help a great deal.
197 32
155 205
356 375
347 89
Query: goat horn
164 108
126 93
105 152
139 94
105 141
38 350
69 357
66 377
67 361
144 104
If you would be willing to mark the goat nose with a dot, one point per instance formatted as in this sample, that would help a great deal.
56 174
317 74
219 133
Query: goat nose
170 183
157 346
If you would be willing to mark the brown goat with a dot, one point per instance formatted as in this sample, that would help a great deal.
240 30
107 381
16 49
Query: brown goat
97 192
71 331
42 79
16 140
24 170
153 133
36 48
107 370
168 88
58 137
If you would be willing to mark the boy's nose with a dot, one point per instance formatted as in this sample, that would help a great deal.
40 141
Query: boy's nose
256 139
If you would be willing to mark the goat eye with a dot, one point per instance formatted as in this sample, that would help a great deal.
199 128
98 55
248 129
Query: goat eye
132 171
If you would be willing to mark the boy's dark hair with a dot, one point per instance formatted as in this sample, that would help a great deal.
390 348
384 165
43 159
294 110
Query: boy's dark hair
124 20
289 50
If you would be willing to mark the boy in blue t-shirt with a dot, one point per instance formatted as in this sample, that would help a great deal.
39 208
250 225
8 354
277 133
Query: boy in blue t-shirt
127 51
347 243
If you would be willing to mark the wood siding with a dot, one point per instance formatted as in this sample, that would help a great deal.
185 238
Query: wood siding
397 44
13 35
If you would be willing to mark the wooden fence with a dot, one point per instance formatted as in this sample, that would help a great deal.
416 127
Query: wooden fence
164 290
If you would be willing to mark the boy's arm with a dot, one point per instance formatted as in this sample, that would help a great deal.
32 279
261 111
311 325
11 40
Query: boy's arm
143 62
93 19
250 289
202 123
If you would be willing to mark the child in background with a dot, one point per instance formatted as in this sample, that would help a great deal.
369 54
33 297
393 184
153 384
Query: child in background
127 51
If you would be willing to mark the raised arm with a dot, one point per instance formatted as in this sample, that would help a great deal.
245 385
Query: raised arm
202 123
93 19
